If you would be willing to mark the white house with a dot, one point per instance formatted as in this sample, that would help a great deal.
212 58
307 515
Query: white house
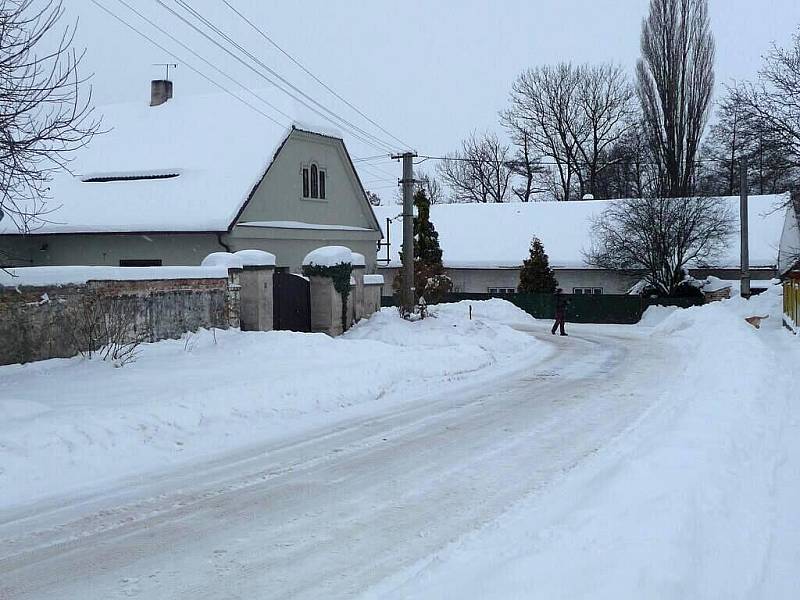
172 182
484 244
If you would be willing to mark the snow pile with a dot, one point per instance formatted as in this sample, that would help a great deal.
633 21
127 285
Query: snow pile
484 338
371 279
328 256
256 258
71 424
655 314
697 500
42 276
357 259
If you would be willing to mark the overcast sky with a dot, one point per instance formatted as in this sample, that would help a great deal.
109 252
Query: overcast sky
429 72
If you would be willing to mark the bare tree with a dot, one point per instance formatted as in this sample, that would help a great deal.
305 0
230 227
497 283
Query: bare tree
675 80
480 171
605 101
659 237
572 115
630 172
44 116
430 186
542 104
773 102
526 162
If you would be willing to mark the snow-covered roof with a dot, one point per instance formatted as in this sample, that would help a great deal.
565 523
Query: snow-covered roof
499 235
186 165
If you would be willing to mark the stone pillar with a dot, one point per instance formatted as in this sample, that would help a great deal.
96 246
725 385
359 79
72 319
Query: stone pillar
357 293
256 298
373 290
326 306
233 297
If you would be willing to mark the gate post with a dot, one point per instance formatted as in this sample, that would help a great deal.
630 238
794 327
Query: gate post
256 290
358 310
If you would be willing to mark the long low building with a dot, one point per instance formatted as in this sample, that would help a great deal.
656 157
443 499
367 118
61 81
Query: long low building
484 245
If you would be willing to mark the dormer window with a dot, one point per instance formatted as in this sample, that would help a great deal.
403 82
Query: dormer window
314 182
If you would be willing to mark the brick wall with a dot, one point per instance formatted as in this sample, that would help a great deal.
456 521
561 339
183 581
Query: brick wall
36 321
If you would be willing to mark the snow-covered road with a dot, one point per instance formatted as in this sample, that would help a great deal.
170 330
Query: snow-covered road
332 513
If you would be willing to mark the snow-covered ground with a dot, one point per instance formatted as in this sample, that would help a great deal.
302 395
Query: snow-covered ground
70 425
698 499
448 458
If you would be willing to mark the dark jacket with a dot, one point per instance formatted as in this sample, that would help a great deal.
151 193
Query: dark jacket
561 305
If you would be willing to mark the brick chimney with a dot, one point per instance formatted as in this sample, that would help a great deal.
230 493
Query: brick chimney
160 91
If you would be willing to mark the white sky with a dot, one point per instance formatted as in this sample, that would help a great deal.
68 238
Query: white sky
429 72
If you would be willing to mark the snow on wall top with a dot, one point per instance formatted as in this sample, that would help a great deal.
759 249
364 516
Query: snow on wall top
499 235
39 276
223 259
256 258
328 256
218 147
373 279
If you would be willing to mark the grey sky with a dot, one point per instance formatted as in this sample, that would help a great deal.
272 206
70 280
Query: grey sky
429 72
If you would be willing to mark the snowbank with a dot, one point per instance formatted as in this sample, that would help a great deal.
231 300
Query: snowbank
693 502
655 314
71 424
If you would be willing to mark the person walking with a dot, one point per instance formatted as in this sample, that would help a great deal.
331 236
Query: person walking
561 312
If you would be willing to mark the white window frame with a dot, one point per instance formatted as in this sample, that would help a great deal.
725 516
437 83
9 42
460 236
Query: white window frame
587 291
501 290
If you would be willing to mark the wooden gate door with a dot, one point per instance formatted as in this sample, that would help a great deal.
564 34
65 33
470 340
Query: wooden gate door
291 309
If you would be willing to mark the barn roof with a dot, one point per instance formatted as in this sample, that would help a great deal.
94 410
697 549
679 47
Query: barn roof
189 164
499 235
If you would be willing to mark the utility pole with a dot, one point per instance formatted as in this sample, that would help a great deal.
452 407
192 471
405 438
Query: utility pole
407 291
743 226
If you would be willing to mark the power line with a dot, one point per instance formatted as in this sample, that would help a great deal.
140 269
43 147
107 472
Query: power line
185 63
426 157
314 77
207 62
377 172
371 158
353 129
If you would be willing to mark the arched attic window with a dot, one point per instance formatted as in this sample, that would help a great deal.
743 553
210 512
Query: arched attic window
314 181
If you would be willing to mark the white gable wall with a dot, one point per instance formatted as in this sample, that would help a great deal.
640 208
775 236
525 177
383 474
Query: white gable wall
279 197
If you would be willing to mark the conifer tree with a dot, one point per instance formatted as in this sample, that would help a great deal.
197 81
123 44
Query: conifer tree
536 275
430 279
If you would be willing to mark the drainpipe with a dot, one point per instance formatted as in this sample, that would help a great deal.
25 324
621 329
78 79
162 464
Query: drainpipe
223 244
